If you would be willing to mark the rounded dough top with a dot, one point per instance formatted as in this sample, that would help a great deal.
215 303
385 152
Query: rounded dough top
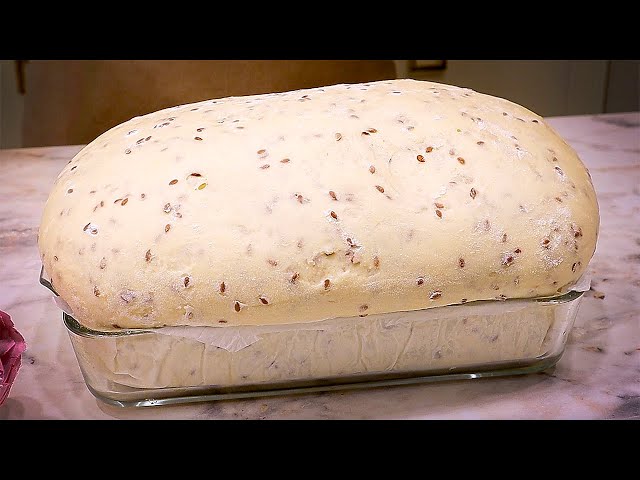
328 202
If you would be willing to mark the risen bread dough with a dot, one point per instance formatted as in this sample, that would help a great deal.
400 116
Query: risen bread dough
313 204
417 343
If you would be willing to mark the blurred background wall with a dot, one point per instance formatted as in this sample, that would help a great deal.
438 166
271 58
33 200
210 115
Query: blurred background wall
548 87
49 102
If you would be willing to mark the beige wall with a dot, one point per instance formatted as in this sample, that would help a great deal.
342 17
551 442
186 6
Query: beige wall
548 87
623 94
11 107
74 101
1 90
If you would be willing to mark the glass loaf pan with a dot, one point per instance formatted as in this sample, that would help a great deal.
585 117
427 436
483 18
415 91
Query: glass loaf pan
145 367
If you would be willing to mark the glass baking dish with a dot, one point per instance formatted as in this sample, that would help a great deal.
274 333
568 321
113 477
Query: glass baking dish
168 365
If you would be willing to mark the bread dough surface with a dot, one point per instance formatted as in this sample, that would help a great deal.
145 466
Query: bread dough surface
342 201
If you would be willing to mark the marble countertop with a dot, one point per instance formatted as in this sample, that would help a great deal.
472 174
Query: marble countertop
598 376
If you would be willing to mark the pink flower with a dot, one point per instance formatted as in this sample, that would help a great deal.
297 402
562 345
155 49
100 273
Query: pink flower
12 345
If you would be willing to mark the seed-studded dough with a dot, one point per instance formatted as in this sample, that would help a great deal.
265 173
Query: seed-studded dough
329 202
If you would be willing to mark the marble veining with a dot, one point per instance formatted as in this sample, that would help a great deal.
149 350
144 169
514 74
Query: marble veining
618 120
598 377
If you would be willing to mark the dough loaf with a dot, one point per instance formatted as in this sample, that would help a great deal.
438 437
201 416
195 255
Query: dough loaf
347 200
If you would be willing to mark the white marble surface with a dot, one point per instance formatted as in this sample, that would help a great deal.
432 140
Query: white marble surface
597 378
